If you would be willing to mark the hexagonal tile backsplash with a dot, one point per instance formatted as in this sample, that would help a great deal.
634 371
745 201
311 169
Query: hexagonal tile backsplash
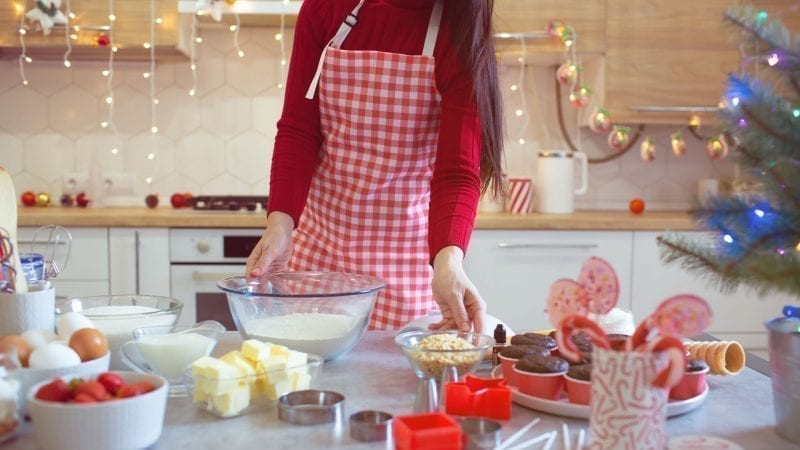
220 140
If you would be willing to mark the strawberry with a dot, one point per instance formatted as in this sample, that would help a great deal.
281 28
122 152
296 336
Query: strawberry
82 397
93 389
55 391
111 381
134 389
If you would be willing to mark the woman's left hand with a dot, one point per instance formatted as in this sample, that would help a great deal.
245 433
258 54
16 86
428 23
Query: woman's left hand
459 301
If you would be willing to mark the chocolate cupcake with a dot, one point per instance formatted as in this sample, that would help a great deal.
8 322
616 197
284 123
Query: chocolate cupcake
618 341
537 339
583 342
696 365
519 351
542 364
580 372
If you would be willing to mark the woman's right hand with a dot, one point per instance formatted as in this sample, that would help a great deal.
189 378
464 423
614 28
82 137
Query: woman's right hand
273 250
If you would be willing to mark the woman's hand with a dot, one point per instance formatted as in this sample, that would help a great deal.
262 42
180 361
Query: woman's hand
461 305
273 250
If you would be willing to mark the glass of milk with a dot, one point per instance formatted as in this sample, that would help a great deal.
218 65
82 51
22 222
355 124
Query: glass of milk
167 350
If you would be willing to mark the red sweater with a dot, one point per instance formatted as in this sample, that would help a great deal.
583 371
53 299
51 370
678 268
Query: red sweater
396 26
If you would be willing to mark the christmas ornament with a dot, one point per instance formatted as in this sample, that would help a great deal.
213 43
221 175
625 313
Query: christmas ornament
600 122
567 73
151 201
580 96
556 28
230 2
211 7
47 13
67 200
42 199
619 137
717 148
636 206
102 40
647 150
179 200
82 200
694 121
678 143
28 198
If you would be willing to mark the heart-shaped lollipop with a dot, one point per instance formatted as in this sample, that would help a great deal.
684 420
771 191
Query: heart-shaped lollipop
566 298
683 315
600 283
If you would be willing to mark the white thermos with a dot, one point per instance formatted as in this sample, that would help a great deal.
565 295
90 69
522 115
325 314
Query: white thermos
555 180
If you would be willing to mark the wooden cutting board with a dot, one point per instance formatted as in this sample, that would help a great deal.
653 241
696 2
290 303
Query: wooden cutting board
8 220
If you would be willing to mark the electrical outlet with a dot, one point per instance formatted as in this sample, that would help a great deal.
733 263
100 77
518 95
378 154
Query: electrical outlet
119 184
74 182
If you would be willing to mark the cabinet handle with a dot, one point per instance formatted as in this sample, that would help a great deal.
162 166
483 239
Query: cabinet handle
656 108
212 276
548 246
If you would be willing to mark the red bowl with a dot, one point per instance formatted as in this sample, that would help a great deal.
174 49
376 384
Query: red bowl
691 385
549 386
578 391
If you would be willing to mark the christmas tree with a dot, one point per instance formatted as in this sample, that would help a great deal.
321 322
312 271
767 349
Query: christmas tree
756 233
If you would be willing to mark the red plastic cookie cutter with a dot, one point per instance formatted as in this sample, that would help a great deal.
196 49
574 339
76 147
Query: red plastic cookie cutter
427 431
479 397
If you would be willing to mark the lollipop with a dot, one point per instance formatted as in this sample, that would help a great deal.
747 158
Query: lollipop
566 298
600 283
680 315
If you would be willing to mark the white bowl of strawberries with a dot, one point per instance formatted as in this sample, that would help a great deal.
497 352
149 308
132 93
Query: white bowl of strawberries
109 410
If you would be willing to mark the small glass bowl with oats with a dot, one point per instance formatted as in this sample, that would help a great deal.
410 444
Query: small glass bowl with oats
431 353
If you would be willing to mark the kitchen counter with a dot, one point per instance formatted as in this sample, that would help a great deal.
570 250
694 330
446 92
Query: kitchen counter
376 375
187 218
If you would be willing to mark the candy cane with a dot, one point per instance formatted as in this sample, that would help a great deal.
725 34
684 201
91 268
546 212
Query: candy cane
574 324
676 355
641 334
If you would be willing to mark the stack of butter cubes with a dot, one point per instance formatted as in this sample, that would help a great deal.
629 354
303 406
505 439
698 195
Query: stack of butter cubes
229 384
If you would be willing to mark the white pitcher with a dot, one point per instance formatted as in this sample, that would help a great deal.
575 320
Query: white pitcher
555 180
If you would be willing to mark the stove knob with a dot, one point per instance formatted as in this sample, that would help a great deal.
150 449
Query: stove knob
203 247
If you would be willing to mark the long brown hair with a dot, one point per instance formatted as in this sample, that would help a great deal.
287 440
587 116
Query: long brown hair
470 23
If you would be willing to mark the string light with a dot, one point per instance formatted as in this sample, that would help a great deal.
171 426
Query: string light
235 30
23 57
109 74
522 111
153 100
193 53
281 40
67 36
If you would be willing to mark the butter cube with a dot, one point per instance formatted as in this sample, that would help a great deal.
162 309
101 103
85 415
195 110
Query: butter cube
280 350
300 380
256 350
275 390
247 368
232 402
214 376
274 369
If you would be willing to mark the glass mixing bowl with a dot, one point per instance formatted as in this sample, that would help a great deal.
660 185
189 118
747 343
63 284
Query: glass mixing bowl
431 353
324 313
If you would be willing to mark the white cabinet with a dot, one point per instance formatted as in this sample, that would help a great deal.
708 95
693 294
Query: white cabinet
737 316
86 273
513 269
139 261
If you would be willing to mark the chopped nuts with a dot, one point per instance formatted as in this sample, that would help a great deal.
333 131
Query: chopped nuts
449 353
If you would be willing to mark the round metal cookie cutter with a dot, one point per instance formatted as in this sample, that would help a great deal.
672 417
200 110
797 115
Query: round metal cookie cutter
480 433
311 407
370 426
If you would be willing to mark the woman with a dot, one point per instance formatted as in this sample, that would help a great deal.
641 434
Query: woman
389 133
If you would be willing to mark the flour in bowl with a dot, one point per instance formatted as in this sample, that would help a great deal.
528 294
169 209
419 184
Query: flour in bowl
323 334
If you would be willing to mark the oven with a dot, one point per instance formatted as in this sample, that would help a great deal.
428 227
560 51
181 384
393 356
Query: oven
199 258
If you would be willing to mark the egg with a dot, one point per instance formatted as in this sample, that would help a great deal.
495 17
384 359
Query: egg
89 343
71 322
22 346
53 356
37 337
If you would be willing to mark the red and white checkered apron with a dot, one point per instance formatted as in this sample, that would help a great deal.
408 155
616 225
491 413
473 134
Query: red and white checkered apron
367 209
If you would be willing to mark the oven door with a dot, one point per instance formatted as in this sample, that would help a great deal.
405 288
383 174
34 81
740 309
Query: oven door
196 286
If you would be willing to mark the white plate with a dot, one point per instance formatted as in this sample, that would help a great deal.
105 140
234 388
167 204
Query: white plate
564 408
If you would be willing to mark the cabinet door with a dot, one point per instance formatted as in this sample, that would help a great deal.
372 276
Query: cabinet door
85 272
737 316
513 270
663 53
139 261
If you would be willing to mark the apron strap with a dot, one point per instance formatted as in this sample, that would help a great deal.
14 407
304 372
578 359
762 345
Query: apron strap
433 29
341 34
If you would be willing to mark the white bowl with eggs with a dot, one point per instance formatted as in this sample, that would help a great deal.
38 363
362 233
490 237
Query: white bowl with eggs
134 422
118 315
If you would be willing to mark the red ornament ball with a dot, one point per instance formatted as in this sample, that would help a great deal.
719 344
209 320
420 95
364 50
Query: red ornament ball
102 40
82 200
151 200
636 206
178 200
67 200
28 198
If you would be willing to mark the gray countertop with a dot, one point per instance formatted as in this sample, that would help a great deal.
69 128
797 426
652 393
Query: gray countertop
375 375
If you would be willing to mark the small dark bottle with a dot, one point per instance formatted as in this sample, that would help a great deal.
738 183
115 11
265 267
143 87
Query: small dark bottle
500 343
